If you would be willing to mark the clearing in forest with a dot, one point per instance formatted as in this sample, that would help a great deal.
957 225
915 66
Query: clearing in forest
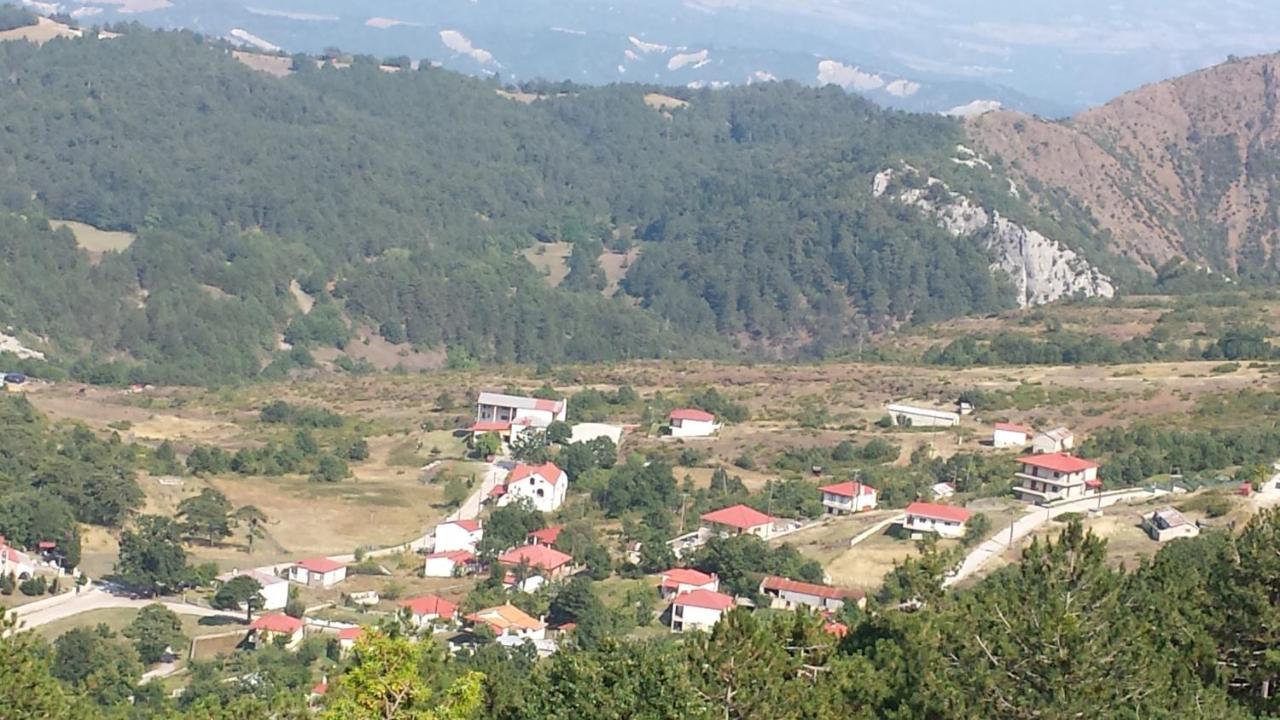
94 240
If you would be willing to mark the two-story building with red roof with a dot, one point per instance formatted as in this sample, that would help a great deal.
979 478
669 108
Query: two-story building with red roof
698 610
1056 476
458 535
544 486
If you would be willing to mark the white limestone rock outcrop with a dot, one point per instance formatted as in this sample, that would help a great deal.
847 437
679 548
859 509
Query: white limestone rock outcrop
1042 269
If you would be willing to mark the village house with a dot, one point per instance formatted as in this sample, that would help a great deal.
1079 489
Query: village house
848 497
1056 476
509 621
545 536
691 422
912 416
15 562
786 594
544 486
942 490
267 628
678 581
275 589
499 408
698 610
946 521
347 638
454 563
543 561
1010 435
1057 440
429 610
1167 524
738 520
458 535
318 572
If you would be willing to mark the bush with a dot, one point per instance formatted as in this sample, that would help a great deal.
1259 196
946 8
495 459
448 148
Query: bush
34 586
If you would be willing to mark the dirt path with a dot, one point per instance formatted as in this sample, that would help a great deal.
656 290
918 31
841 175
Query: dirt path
92 598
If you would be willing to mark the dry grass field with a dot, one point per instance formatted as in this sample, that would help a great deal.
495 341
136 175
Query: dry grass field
95 241
42 32
551 260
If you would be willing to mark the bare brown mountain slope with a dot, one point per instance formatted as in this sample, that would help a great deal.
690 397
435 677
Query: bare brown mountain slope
1188 168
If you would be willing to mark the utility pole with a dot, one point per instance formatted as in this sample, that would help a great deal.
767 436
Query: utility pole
684 496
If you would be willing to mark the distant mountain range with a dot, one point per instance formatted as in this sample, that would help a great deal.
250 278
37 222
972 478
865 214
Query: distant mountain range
908 55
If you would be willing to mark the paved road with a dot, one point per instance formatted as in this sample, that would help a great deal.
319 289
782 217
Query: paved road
1035 517
494 476
95 598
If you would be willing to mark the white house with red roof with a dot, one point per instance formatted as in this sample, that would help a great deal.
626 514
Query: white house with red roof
428 610
318 572
458 535
848 497
545 536
15 562
678 581
738 520
1005 435
946 521
1056 476
787 594
544 561
453 563
347 638
544 486
692 422
698 610
266 628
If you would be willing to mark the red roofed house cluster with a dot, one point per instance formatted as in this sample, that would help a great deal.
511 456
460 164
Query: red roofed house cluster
544 486
945 520
691 422
318 572
738 520
848 497
1056 476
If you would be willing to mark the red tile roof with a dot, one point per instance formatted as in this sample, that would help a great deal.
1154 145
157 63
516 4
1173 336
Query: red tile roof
547 535
691 414
485 426
537 556
773 582
277 623
552 406
950 513
320 565
704 599
458 556
320 688
430 605
548 470
1014 427
849 489
46 544
1058 462
506 617
676 577
837 629
498 490
352 633
738 516
468 525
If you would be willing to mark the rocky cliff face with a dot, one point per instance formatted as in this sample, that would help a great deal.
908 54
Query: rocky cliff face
1187 168
1041 268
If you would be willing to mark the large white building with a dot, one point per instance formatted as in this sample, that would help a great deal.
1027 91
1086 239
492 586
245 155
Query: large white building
1056 476
544 486
946 521
275 589
848 497
458 535
691 422
496 407
1010 435
912 416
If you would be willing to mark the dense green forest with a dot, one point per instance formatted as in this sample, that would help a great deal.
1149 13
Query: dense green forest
400 201
1060 634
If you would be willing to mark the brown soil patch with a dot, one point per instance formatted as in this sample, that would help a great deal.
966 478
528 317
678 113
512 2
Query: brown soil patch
551 260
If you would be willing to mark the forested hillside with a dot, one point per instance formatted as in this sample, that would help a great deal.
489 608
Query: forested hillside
400 202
